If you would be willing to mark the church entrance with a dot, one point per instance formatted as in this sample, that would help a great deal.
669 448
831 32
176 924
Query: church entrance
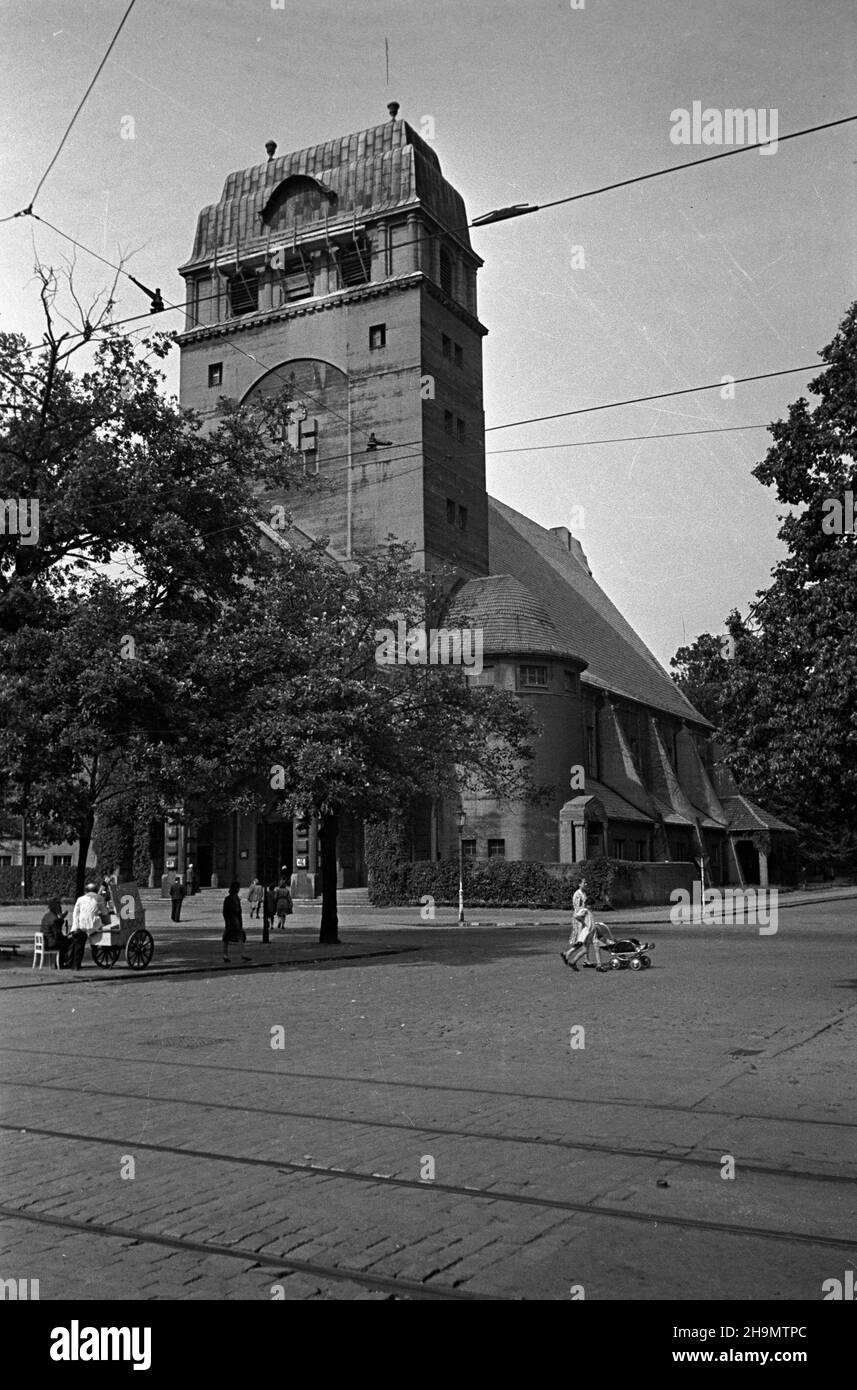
273 850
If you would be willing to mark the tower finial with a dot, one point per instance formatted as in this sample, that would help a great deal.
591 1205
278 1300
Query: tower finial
393 108
271 147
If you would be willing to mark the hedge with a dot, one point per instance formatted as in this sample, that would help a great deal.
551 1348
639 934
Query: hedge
487 883
45 881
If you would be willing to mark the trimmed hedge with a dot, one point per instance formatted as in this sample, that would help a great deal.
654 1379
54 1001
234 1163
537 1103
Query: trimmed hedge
45 880
487 883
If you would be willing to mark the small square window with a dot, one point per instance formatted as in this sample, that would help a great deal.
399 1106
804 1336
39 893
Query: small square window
460 430
459 355
215 373
450 511
447 346
496 849
377 336
469 848
569 681
533 677
462 518
448 421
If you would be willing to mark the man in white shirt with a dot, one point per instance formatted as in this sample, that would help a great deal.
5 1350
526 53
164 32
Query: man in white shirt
85 920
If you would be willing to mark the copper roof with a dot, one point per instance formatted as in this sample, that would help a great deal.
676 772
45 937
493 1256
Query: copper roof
381 170
511 618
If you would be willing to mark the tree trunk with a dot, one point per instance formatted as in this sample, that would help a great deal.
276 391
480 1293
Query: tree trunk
82 853
328 833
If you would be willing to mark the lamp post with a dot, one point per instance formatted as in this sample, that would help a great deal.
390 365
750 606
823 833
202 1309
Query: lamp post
462 817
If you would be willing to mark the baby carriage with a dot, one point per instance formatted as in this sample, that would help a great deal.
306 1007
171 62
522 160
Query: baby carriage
629 953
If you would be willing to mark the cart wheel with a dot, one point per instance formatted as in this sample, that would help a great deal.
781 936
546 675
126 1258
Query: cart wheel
140 949
106 956
646 962
636 964
615 963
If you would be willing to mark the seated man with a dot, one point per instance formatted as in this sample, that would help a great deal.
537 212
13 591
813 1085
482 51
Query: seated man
52 927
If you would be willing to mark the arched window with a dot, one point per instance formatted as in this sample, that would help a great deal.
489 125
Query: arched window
446 271
297 199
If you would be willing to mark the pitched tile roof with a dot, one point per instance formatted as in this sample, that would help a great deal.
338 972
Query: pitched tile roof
510 616
616 806
744 814
380 170
582 614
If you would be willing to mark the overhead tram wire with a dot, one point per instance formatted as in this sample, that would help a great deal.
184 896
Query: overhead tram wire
78 109
658 396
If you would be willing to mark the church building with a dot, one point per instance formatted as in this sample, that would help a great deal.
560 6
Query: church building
346 271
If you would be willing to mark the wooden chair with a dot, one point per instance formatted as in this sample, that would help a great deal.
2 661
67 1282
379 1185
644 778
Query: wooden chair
40 954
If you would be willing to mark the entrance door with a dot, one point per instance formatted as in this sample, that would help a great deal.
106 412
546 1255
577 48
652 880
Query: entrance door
748 858
274 849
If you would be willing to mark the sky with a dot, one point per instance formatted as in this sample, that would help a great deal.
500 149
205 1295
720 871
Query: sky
740 267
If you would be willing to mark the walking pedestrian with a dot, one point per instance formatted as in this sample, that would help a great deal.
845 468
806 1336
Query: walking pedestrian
192 881
233 927
177 895
255 898
583 931
285 906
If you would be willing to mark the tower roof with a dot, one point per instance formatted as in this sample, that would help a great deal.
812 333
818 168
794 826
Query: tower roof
367 175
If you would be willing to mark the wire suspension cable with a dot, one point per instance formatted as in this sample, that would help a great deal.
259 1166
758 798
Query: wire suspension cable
80 105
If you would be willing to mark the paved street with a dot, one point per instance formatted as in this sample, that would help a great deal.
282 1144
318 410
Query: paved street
427 1128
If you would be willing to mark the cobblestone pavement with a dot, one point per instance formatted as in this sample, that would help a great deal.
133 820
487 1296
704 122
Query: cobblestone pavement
432 1121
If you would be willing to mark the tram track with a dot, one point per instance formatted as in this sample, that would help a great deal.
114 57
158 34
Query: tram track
451 1088
670 1156
399 1287
471 1193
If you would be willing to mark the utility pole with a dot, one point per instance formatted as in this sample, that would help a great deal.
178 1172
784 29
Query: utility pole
23 856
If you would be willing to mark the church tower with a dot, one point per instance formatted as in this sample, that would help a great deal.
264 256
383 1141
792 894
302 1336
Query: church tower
345 271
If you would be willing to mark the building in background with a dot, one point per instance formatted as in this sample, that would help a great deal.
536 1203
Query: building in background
345 271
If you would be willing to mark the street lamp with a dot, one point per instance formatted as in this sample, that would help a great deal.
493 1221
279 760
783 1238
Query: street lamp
462 817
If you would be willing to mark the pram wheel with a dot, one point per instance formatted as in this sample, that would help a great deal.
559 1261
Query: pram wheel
615 963
636 964
645 961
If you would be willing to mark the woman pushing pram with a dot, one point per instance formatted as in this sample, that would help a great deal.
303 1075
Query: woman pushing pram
586 933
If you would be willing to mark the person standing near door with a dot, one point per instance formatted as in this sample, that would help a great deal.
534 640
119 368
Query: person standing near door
177 893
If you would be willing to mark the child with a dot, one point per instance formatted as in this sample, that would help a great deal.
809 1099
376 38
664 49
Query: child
255 897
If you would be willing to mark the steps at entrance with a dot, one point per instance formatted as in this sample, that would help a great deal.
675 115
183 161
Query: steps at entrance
353 897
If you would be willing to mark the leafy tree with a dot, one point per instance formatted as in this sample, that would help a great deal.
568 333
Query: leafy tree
146 524
786 706
327 729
